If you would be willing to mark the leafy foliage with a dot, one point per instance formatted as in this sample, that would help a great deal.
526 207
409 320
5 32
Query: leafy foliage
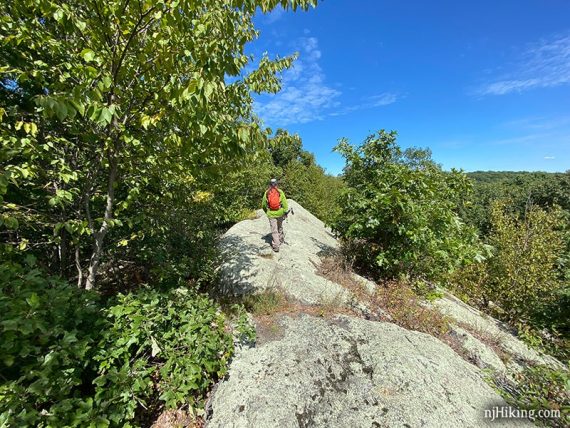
301 178
160 346
127 142
520 188
520 277
69 359
401 210
520 282
312 188
49 333
101 97
542 387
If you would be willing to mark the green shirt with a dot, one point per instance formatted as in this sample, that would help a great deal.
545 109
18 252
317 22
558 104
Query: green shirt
277 213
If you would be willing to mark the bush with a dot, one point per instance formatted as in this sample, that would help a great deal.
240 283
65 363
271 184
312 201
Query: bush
520 282
520 277
49 334
313 189
68 359
540 388
163 348
402 208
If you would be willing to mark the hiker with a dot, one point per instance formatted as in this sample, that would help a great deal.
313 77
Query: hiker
275 206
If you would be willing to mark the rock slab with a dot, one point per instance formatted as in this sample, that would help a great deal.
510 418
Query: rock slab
250 266
350 372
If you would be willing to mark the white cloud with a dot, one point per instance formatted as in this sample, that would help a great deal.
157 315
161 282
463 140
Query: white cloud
305 95
383 99
542 65
380 100
538 123
549 157
274 16
524 139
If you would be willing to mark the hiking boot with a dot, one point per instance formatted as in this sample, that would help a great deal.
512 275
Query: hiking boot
275 250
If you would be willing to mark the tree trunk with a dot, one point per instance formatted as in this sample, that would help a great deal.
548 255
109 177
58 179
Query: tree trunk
99 236
78 266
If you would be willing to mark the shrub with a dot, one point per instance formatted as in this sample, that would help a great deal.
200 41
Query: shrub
68 359
520 278
313 189
540 388
402 209
520 282
49 333
161 348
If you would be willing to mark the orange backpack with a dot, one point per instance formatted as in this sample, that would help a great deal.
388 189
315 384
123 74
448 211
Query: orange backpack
273 199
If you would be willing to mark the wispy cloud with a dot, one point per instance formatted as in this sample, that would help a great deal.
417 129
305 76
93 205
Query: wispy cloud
549 157
538 123
305 95
380 100
541 65
524 139
274 16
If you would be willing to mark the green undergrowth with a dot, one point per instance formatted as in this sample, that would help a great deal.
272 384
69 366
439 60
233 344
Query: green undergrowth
71 358
539 388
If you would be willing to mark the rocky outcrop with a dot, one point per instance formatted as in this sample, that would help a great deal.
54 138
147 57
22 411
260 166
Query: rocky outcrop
487 339
348 372
343 370
251 266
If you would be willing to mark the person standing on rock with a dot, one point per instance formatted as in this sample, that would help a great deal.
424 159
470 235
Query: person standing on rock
275 206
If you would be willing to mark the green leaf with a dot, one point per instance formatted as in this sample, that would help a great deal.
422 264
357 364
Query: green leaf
60 110
58 14
33 301
155 348
107 81
105 116
88 55
78 106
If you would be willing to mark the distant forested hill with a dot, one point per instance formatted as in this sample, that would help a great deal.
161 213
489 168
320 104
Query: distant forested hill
519 188
498 176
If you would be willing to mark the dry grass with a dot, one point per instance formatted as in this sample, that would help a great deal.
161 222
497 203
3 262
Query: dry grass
406 309
276 302
265 303
268 307
337 268
177 419
397 302
394 300
493 341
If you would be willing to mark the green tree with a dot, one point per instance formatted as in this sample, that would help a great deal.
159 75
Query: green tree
285 148
103 95
520 278
308 184
401 210
301 178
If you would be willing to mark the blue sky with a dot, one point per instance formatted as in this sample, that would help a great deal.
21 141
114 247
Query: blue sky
485 85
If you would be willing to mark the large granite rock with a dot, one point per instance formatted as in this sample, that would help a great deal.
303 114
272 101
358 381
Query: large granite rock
349 372
251 266
497 335
346 371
